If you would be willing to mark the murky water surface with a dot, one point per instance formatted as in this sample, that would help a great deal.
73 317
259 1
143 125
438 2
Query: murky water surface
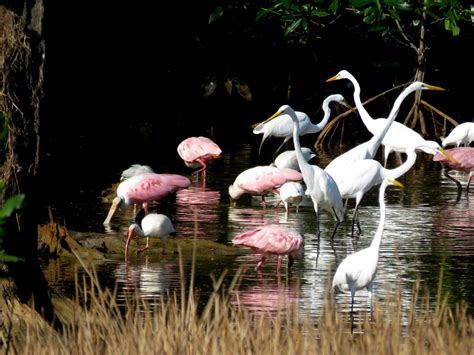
428 231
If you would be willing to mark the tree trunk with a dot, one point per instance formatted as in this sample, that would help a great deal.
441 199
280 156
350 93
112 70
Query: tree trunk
22 52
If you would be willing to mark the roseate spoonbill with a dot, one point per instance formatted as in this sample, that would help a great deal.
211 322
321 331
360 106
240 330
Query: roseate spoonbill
144 188
367 150
464 157
282 127
462 134
261 180
398 136
135 169
357 271
288 159
319 184
152 225
291 192
197 151
361 176
271 239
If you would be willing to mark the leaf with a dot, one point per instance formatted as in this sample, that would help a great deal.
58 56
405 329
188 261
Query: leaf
360 3
209 87
216 14
10 258
13 203
293 26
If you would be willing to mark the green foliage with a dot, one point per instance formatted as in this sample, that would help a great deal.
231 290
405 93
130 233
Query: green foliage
399 20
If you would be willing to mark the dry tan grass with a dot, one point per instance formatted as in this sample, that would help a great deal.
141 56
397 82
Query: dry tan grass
96 324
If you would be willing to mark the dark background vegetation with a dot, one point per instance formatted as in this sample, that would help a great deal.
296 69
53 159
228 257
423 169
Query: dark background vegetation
124 82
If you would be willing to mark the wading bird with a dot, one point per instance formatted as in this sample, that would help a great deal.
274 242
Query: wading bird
261 180
135 169
271 239
144 188
464 161
319 184
197 151
291 193
461 135
153 225
283 126
367 150
361 176
357 271
288 159
398 136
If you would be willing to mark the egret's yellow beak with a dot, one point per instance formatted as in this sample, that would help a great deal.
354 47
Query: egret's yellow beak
432 87
447 155
276 114
396 183
335 77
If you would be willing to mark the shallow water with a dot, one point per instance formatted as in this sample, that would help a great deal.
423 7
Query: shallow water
428 231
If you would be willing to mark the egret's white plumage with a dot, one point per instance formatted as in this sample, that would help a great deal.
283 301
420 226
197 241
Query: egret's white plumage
398 136
357 271
292 193
319 184
282 127
461 135
288 159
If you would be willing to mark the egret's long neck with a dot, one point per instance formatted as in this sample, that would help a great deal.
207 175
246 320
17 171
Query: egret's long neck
364 115
378 138
325 120
303 164
378 234
402 169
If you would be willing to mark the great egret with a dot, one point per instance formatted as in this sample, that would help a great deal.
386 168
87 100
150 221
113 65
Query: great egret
357 271
367 150
261 180
291 192
398 136
152 225
462 134
144 188
287 159
361 176
272 239
464 157
197 151
135 169
319 184
283 127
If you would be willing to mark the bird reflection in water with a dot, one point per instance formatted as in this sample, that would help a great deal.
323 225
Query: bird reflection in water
149 279
268 296
196 208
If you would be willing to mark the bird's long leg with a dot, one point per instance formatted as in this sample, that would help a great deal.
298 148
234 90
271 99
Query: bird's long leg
202 169
338 222
355 220
468 182
352 311
446 173
279 263
260 263
145 248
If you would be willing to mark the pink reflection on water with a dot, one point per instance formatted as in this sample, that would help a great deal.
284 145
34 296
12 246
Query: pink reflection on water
269 296
196 208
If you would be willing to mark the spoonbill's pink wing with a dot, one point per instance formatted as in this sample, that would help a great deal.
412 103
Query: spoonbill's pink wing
151 186
263 178
272 239
193 148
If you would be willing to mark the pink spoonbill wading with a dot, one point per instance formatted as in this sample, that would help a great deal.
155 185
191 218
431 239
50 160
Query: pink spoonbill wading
144 188
463 161
261 180
271 239
197 151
